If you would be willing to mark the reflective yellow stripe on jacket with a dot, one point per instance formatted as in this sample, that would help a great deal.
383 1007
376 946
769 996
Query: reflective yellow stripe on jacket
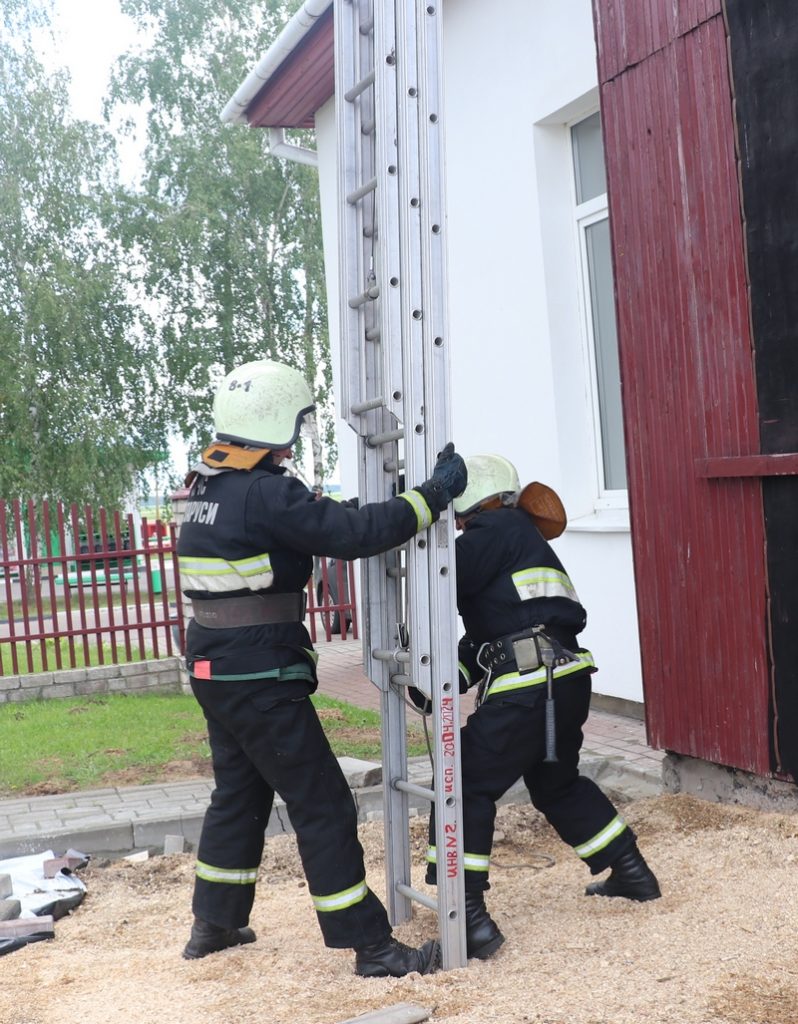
541 581
510 681
420 507
221 575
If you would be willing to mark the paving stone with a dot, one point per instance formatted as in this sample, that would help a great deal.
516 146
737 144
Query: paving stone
173 844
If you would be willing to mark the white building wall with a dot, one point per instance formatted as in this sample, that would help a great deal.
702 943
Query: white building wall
515 74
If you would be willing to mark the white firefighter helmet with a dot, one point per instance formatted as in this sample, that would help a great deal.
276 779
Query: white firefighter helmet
488 477
262 403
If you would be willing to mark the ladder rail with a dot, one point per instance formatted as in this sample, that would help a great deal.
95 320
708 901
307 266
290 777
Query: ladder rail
395 397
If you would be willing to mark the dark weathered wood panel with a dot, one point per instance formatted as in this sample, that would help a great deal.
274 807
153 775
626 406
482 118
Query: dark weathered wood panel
763 44
688 380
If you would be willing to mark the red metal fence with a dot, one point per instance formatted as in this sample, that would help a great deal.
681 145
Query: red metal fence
331 597
81 587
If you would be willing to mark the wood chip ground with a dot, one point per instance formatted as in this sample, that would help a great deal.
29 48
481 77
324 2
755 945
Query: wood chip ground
718 948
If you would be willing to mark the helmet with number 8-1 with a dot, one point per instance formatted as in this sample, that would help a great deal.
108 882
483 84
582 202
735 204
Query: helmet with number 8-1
263 404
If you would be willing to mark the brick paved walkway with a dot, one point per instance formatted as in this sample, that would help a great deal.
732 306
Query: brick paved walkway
341 676
118 820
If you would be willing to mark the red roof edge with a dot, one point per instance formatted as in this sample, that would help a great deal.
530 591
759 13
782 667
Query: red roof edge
301 84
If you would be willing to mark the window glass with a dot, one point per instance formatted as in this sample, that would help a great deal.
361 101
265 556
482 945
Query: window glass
605 340
588 151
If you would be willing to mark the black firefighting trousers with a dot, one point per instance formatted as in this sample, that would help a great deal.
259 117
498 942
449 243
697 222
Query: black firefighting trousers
262 745
504 740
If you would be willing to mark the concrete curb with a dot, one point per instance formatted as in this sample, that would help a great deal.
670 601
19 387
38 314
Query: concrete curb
115 822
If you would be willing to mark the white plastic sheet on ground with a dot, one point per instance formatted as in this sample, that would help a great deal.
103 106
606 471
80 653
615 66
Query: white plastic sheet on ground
35 892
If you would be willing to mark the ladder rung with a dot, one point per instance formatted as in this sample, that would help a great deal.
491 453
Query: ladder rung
372 403
396 574
373 334
417 895
393 465
359 87
399 654
367 127
377 440
367 26
410 787
364 190
367 296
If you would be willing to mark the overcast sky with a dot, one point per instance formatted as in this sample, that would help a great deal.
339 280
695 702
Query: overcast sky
92 33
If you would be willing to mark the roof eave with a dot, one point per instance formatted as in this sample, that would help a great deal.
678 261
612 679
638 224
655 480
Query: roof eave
293 78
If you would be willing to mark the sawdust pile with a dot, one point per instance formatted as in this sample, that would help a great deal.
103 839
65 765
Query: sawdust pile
720 946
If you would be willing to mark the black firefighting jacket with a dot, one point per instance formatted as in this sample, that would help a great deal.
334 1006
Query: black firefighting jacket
508 580
256 531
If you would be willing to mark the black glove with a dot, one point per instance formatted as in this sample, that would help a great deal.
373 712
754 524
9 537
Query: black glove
424 704
448 480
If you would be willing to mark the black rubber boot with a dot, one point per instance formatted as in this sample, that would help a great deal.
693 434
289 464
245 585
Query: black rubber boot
483 937
210 938
630 878
392 959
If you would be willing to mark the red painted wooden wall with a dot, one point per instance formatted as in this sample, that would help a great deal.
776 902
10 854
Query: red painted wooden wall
688 376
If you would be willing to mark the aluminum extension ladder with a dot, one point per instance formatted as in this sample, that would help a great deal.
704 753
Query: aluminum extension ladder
395 373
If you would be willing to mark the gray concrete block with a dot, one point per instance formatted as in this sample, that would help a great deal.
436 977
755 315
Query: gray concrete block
59 690
6 888
108 839
18 696
9 683
279 822
151 833
10 910
68 675
105 672
92 685
36 681
360 773
173 844
720 784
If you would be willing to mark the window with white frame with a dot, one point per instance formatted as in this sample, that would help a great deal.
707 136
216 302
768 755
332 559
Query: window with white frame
591 218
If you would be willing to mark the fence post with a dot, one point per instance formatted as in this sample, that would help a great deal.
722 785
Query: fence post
179 499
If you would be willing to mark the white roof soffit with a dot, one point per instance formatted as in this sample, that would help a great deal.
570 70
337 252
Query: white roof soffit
293 33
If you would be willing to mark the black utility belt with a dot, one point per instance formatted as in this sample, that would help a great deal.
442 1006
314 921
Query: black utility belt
249 610
528 650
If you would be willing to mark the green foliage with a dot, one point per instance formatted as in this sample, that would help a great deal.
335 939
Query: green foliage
227 240
75 407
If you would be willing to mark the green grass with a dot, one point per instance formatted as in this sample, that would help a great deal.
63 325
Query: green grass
119 739
37 662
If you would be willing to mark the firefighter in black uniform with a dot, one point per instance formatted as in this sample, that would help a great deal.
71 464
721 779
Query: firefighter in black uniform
245 555
521 617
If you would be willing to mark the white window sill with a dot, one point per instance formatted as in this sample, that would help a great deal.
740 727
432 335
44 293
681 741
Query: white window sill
608 520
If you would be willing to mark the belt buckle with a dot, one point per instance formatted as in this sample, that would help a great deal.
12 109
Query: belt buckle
527 654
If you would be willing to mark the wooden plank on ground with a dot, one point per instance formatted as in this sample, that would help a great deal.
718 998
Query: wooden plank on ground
27 926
